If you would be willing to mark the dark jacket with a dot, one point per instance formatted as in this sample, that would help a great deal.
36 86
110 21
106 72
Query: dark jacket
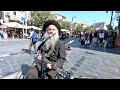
95 34
58 55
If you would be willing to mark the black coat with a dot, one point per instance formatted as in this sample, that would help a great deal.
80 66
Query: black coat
58 56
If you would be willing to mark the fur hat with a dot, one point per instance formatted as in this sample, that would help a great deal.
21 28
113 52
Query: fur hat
51 22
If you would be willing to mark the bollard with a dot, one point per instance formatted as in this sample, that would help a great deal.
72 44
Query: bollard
13 37
0 37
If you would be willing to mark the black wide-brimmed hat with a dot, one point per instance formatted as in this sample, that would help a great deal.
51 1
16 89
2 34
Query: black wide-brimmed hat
51 22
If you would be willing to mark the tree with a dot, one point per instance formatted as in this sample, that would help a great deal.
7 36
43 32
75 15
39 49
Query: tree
79 27
116 27
93 30
109 27
40 17
65 25
87 29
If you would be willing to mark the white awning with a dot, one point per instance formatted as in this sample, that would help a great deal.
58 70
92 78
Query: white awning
65 30
3 26
14 25
34 27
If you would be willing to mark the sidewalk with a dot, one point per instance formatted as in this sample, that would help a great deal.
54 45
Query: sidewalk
9 64
11 39
84 62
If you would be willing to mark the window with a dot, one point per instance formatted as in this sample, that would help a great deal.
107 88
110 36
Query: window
14 13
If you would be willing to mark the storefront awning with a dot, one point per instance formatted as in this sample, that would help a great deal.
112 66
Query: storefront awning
34 27
14 25
3 26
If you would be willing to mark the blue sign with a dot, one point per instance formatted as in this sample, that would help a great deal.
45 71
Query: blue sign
119 26
23 19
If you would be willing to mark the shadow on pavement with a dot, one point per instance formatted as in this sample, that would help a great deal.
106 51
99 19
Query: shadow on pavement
115 50
25 68
76 44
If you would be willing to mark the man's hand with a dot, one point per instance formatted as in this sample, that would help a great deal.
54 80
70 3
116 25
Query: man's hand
49 65
39 57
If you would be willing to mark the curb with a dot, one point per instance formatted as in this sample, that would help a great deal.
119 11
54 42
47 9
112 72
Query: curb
12 39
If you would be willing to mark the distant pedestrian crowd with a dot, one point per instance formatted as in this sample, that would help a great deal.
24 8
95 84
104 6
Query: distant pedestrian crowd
102 38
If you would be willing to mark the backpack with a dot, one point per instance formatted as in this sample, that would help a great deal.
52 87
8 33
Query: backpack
34 37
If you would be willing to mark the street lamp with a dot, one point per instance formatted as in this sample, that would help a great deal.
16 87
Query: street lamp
71 22
111 19
73 18
23 19
26 21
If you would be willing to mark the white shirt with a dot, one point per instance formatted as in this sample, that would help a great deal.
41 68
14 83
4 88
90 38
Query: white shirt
101 35
31 33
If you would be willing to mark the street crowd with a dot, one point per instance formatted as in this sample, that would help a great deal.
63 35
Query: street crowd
102 38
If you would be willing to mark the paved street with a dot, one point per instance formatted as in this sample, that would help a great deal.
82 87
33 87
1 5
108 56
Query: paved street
93 62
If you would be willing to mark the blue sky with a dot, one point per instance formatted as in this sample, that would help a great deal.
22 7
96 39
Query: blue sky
88 17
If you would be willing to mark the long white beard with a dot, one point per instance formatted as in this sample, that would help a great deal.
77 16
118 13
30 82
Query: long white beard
50 43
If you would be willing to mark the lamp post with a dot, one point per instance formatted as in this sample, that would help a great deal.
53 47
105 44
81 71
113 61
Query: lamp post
111 19
72 22
73 18
23 21
26 21
72 25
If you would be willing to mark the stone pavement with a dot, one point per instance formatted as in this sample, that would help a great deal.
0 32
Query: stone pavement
93 62
10 64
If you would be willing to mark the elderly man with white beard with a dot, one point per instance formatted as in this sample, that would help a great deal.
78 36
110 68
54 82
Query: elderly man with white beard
55 49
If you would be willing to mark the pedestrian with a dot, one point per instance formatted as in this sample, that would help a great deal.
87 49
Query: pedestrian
33 39
101 37
80 35
90 37
105 41
55 52
82 41
94 40
114 38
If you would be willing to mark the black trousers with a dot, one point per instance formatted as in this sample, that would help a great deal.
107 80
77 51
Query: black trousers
35 73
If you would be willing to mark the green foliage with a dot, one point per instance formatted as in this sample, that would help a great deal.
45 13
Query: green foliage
79 28
109 27
87 29
65 25
116 27
93 31
40 17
